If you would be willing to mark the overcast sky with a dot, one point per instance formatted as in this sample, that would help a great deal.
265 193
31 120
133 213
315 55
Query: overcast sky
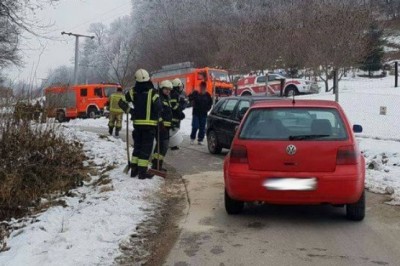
70 16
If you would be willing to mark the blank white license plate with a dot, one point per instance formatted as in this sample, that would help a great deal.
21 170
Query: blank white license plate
297 184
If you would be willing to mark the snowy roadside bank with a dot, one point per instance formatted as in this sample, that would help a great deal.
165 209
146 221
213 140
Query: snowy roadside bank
96 219
382 159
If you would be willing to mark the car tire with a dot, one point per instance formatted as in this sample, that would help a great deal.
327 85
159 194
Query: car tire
60 116
290 91
91 113
212 143
233 206
356 211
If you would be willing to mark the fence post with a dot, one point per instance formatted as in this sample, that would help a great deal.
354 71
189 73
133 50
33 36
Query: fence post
336 84
396 74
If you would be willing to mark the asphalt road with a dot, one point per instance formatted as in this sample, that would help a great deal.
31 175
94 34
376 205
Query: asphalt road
272 235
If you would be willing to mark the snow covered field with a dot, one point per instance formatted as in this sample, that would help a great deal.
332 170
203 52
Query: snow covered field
97 219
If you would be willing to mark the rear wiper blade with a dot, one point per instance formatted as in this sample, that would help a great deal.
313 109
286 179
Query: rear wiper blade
305 137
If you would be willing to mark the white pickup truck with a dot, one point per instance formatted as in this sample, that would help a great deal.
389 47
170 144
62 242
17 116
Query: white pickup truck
256 86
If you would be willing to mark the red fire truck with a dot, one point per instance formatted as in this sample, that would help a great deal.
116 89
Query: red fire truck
191 78
85 101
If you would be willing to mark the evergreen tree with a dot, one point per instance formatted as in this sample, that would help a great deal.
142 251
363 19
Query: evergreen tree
373 60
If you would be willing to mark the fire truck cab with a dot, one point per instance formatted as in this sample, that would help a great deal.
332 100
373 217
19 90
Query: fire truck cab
191 78
78 101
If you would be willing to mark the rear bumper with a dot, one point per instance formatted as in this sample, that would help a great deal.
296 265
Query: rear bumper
340 187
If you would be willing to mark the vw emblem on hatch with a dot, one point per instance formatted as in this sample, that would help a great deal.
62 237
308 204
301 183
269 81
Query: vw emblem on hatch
291 149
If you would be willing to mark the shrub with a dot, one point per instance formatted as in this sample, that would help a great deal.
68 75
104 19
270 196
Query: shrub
36 160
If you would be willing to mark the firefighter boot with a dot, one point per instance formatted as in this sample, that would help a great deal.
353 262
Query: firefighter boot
143 173
110 130
155 164
117 132
134 170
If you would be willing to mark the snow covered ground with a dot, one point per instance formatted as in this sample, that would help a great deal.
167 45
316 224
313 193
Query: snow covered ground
101 122
97 219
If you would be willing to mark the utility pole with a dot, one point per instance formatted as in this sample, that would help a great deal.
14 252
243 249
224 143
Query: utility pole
76 51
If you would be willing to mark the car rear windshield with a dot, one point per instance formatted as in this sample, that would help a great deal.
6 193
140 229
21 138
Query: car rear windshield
294 124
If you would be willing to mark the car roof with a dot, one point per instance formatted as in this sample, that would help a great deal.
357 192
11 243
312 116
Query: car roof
253 98
298 103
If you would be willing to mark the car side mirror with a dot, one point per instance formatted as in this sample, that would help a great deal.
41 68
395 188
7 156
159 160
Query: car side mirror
357 129
236 128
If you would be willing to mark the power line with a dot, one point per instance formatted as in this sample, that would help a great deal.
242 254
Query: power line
108 11
96 18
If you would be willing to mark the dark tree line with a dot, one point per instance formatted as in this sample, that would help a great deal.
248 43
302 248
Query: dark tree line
258 34
236 35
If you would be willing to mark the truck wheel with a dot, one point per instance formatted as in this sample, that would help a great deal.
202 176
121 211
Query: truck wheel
246 93
212 142
290 91
233 206
91 113
356 211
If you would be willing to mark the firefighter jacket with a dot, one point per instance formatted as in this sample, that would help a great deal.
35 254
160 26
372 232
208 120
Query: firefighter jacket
113 105
146 102
178 104
166 115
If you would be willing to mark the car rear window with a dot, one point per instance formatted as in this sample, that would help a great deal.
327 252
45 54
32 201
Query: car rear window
294 124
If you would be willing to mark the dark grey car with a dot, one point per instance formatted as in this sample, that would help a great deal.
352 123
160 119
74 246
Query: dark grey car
225 117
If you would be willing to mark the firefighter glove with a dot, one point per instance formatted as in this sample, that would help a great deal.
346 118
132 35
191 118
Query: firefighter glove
124 106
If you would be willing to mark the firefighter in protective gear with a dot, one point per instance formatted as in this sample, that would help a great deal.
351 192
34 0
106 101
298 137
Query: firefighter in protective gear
178 103
115 117
145 115
165 123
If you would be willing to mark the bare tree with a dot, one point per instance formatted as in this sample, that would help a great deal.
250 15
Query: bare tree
13 21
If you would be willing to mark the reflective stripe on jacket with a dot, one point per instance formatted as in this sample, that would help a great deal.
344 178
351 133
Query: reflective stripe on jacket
167 109
146 111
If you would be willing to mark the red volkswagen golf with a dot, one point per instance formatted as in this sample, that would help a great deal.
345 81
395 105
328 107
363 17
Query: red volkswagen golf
296 152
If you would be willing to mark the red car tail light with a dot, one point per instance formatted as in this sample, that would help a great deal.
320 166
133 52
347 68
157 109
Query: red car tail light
238 154
346 156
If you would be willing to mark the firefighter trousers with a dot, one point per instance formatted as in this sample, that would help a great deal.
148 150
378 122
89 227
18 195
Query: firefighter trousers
143 137
164 144
115 120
